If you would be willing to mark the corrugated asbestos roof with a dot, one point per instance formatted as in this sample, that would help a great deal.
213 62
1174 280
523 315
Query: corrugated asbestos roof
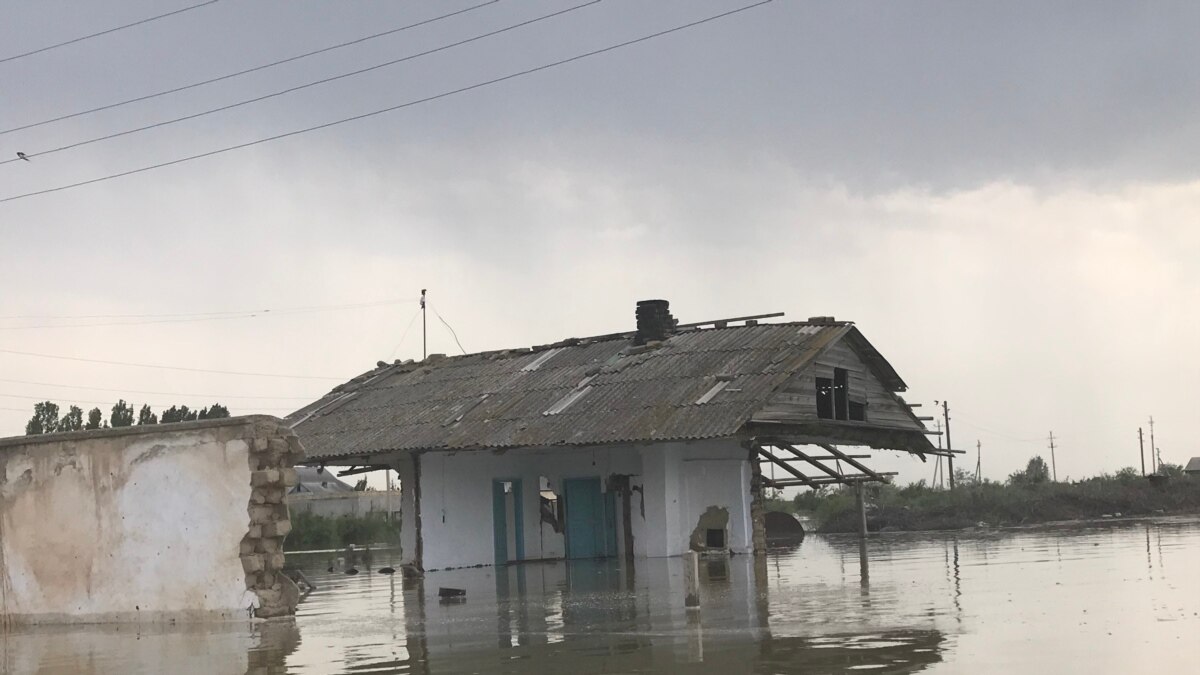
620 393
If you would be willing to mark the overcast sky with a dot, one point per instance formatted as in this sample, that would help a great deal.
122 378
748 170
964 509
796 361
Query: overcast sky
1003 196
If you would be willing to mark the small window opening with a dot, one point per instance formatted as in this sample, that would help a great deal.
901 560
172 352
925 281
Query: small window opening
824 398
549 504
714 538
858 411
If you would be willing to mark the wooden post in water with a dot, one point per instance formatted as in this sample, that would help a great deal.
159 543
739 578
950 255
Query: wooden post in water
862 509
691 579
860 497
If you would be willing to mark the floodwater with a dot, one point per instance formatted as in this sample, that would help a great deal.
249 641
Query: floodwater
1109 597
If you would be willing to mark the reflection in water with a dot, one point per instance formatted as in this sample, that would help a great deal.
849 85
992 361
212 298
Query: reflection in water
232 648
937 602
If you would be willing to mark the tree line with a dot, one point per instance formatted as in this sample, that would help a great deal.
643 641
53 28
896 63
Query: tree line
46 419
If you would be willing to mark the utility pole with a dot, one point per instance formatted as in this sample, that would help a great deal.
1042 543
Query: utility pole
1153 448
937 467
1053 464
424 334
978 460
949 445
1142 450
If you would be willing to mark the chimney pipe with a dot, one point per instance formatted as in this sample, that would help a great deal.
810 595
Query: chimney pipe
654 321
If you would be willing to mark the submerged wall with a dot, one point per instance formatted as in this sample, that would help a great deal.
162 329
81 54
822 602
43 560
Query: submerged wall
146 523
679 489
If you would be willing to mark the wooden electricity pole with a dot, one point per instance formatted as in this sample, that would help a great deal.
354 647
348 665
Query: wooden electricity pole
1053 464
1142 450
949 445
978 461
1153 450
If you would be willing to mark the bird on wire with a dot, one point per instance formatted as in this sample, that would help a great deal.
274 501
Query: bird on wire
21 155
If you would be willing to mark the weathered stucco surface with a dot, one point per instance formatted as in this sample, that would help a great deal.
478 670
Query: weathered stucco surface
138 524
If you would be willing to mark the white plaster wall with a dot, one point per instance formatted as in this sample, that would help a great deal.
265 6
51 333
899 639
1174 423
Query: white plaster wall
132 526
718 475
456 498
677 482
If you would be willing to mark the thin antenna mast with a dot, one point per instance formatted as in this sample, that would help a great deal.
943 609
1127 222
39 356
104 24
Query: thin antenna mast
424 333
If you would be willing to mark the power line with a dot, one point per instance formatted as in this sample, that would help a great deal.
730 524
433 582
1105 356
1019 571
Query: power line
298 87
439 316
405 333
94 402
246 71
355 118
159 393
51 317
162 367
222 317
106 32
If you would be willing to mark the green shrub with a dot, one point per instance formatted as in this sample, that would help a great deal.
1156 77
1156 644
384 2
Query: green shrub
311 532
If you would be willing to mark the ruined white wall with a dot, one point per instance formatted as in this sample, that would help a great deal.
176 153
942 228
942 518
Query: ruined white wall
677 483
144 523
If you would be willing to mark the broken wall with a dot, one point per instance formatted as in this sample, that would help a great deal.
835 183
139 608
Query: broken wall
148 523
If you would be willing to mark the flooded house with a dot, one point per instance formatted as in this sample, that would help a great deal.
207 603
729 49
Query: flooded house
638 444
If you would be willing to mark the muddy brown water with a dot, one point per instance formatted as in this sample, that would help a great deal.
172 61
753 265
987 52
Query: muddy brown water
1109 597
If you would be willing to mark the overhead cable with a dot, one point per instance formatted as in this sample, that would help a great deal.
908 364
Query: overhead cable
408 104
164 367
64 317
95 402
246 71
192 319
26 156
439 316
106 32
160 393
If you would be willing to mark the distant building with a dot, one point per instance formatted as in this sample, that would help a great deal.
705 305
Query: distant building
321 493
316 481
1193 467
638 444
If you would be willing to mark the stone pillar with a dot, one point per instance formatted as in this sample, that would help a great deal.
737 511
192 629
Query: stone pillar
757 510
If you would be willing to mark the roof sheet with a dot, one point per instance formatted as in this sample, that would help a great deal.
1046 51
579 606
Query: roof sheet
501 399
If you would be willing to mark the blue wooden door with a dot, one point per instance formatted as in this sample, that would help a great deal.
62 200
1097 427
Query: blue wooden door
590 520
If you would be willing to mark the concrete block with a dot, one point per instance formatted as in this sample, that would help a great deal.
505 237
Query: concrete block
269 545
277 446
274 561
279 528
289 477
258 495
264 477
268 596
253 563
297 450
260 445
254 532
247 547
262 514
